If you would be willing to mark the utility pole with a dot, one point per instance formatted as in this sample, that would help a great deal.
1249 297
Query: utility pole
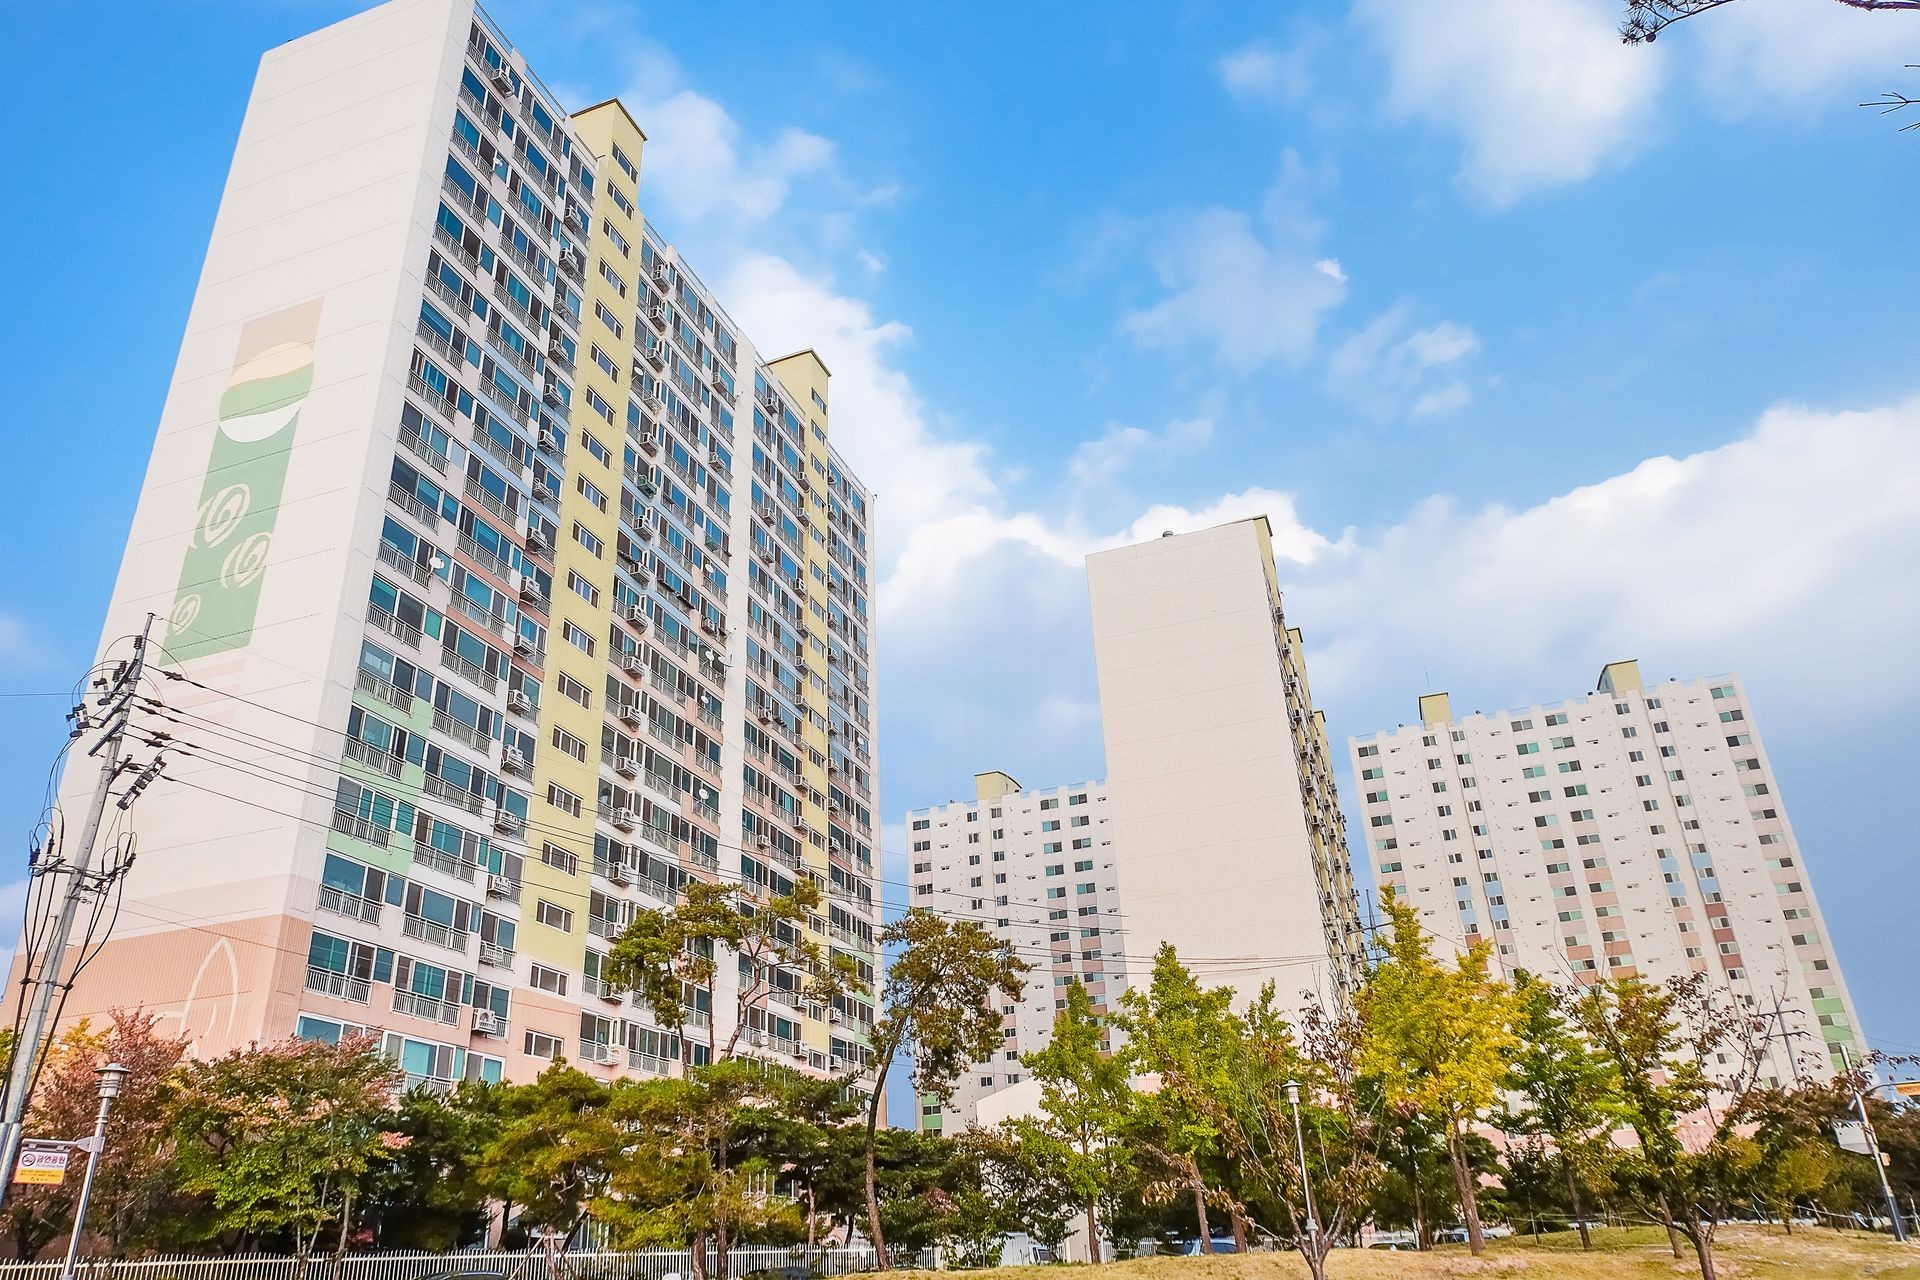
1785 1037
39 988
1873 1150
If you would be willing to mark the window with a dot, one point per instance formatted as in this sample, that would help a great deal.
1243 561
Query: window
539 1044
569 744
589 540
608 319
591 492
542 978
577 637
582 588
562 799
571 688
598 450
552 916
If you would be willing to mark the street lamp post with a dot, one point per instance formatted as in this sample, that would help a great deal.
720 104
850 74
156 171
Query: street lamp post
1306 1183
113 1077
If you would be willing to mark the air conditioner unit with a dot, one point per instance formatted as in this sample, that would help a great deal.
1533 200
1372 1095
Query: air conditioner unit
799 586
835 1016
835 1062
549 442
761 842
618 871
522 645
624 819
713 458
541 493
520 702
662 272
766 716
556 349
506 823
806 521
513 760
649 443
551 394
629 713
499 886
658 314
657 353
707 625
758 1039
643 527
799 1050
625 766
537 545
488 1023
650 402
637 614
771 402
502 77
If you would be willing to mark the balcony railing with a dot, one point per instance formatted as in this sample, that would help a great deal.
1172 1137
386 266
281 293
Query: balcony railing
372 757
412 505
441 789
384 690
352 824
433 931
405 632
338 985
460 666
500 453
351 905
486 559
495 955
460 731
447 864
424 449
419 1006
403 564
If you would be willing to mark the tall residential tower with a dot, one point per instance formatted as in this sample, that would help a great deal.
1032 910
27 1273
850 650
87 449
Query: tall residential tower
1036 867
1638 830
1228 838
508 586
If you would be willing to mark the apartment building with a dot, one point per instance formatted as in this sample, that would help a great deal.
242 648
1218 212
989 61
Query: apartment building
512 587
1228 837
1036 867
1636 830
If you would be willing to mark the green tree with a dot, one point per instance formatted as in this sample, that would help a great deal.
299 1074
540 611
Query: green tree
428 1193
281 1139
1186 1035
942 999
553 1153
1659 1040
1085 1100
1565 1093
1324 1196
1437 1038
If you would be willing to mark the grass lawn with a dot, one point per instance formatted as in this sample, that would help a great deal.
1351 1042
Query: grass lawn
1744 1253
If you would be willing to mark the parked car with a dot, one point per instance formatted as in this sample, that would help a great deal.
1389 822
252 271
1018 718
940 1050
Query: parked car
1221 1244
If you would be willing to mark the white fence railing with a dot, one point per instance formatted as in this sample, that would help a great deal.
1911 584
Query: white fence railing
641 1264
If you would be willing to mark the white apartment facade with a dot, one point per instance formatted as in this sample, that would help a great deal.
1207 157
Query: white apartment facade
1228 834
512 588
1036 868
1637 830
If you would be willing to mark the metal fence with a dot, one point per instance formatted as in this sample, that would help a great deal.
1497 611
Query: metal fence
641 1264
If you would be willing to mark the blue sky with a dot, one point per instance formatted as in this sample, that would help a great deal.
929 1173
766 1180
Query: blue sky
1537 350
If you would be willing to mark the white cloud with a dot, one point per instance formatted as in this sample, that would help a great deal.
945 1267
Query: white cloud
1388 367
19 650
1784 555
697 168
1762 54
1541 92
1247 294
1261 73
1099 462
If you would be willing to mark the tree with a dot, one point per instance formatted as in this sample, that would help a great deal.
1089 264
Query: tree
428 1193
1084 1103
1660 1040
942 998
669 957
1436 1041
1186 1035
1568 1093
281 1138
1646 19
1252 1106
130 1186
553 1152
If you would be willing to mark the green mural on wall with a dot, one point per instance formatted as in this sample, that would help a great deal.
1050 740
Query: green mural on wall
215 605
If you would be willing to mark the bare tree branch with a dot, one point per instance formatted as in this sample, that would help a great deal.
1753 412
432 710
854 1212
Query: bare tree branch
1646 19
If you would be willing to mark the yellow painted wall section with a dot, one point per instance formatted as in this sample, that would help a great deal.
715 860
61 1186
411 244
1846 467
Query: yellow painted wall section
599 129
805 378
